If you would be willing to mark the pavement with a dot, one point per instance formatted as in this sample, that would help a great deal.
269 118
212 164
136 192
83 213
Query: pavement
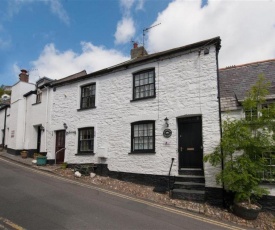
27 161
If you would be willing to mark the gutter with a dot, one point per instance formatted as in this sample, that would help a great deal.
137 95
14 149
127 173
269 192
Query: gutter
46 123
4 134
220 118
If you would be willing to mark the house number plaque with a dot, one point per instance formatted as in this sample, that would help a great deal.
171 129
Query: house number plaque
167 133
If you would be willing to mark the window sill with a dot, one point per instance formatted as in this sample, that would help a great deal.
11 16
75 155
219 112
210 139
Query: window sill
84 154
86 108
143 98
36 103
147 152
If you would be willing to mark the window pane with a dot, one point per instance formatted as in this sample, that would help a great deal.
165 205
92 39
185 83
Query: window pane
146 81
143 138
88 96
86 140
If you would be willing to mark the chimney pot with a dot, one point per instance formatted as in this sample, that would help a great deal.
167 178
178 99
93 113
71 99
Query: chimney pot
135 45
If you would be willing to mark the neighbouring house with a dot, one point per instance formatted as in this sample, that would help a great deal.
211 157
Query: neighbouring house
25 123
235 81
17 119
144 117
38 104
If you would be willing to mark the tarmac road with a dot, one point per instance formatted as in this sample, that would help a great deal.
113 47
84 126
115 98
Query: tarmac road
31 199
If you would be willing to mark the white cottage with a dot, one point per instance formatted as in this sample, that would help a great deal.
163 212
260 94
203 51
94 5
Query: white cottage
144 119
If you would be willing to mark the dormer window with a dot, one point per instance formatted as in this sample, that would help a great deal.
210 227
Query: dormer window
39 96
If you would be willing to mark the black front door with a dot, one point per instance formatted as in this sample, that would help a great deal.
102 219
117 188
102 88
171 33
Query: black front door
190 142
38 138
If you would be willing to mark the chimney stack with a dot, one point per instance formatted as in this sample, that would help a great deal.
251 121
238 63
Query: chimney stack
137 52
24 76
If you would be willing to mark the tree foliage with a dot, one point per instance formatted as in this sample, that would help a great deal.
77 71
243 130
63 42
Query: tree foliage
243 144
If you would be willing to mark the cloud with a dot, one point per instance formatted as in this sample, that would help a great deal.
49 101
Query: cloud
4 43
14 6
245 27
56 64
57 9
126 5
126 27
140 5
125 31
5 40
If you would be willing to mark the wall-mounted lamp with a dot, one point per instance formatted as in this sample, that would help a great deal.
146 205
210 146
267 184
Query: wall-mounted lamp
42 128
65 125
166 121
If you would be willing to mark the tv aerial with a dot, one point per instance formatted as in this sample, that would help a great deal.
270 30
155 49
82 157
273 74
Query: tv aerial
146 30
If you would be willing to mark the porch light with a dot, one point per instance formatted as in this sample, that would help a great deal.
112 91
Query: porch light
65 125
166 122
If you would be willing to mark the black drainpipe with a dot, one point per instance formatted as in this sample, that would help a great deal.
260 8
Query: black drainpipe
220 117
4 133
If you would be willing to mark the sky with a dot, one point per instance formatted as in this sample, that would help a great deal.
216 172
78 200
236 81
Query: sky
57 38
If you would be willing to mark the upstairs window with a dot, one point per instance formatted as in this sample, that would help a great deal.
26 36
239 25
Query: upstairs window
86 140
38 96
143 137
251 115
144 84
87 96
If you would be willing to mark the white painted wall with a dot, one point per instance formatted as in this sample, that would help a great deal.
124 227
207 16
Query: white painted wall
17 115
2 124
185 85
36 115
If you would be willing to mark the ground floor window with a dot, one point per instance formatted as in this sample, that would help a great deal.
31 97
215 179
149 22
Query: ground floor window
143 137
269 172
86 140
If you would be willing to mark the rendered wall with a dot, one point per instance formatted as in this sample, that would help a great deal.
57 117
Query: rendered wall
2 124
17 115
37 114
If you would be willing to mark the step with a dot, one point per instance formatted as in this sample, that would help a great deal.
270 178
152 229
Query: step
191 171
190 178
186 194
189 185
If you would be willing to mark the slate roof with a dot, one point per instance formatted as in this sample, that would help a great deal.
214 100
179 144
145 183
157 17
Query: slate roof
235 81
70 78
155 56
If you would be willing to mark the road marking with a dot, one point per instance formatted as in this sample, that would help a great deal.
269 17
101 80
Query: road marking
10 223
172 210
